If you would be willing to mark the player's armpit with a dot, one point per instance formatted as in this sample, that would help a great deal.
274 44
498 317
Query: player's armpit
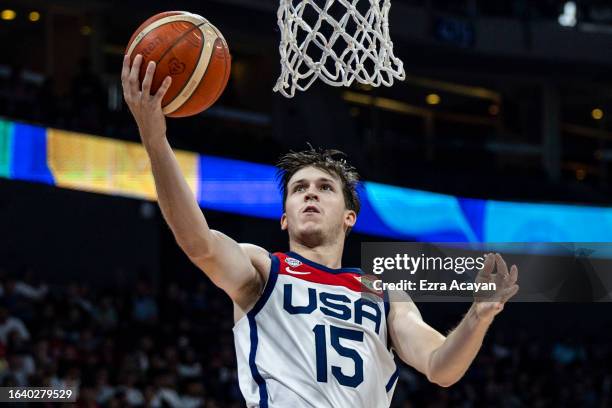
413 340
241 270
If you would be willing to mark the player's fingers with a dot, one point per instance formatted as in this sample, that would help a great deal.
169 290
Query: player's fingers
125 73
509 292
513 274
146 82
502 268
501 264
489 263
163 89
134 74
125 69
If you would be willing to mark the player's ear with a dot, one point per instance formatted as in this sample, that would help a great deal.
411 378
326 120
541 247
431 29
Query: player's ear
350 218
283 222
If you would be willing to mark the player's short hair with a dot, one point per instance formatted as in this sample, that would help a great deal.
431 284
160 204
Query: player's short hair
330 161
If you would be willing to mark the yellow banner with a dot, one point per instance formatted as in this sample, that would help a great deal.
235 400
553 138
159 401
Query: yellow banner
102 165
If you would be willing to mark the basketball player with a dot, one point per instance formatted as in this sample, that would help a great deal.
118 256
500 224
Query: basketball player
304 336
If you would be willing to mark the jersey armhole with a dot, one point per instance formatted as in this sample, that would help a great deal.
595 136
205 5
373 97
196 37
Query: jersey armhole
387 305
271 282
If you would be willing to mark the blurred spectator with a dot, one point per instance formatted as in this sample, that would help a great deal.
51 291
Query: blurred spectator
166 394
194 395
131 395
9 324
106 314
189 367
21 367
30 286
567 353
144 306
104 391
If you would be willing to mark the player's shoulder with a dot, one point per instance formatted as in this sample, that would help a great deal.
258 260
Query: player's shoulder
257 252
260 257
254 250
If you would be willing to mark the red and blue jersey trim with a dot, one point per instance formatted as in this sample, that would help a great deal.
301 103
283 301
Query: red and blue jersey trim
254 337
296 266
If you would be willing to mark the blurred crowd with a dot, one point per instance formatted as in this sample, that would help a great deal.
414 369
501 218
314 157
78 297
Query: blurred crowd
29 96
173 347
119 348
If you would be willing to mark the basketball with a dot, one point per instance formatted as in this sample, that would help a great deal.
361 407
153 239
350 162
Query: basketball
192 51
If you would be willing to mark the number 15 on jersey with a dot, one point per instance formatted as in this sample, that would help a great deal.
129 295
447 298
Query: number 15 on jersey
335 335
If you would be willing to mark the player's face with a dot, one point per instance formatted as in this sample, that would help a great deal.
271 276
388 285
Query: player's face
315 208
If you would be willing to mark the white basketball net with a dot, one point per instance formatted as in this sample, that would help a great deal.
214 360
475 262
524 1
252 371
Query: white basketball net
355 46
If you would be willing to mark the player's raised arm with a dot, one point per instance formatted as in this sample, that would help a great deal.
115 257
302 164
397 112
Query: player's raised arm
444 360
229 265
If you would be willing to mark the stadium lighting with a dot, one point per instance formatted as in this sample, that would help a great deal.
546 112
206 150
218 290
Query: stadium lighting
568 17
8 14
433 99
597 114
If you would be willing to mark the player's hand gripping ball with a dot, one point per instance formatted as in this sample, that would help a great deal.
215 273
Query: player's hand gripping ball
190 50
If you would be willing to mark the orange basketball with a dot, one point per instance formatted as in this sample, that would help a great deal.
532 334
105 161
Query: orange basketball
192 51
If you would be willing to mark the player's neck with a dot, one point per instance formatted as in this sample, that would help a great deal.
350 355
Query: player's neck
328 255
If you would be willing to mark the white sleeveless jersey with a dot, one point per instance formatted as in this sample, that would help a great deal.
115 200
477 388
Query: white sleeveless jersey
314 340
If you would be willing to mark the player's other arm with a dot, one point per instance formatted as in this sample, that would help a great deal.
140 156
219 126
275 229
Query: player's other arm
229 265
444 360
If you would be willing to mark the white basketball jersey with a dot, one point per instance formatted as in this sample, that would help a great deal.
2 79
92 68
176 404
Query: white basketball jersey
314 340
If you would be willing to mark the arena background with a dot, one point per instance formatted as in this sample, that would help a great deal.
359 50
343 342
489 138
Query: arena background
501 125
